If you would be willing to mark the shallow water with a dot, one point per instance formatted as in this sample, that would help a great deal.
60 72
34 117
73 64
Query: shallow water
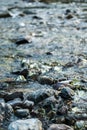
46 25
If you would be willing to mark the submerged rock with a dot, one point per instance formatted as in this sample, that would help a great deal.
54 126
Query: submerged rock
28 124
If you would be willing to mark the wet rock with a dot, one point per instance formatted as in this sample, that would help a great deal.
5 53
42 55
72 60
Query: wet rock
45 80
49 53
28 104
67 93
58 86
69 16
22 113
37 17
4 14
21 41
23 72
29 124
11 96
15 102
67 11
60 127
40 95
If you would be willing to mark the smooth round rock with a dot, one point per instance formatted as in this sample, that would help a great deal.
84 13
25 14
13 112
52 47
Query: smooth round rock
22 113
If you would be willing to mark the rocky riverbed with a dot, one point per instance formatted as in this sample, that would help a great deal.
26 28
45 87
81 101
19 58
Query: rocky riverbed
43 65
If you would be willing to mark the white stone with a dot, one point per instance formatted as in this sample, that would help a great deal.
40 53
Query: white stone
28 124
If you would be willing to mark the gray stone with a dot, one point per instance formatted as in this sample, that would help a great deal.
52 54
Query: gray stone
45 80
67 93
6 111
40 95
28 124
15 102
28 104
60 127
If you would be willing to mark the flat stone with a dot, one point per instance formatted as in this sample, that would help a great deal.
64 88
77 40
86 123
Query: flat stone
28 124
60 127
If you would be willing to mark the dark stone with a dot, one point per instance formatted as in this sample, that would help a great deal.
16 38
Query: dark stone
22 113
45 80
67 93
21 41
49 103
15 102
58 85
63 110
3 94
36 17
40 95
67 11
69 16
11 96
4 14
48 53
24 72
